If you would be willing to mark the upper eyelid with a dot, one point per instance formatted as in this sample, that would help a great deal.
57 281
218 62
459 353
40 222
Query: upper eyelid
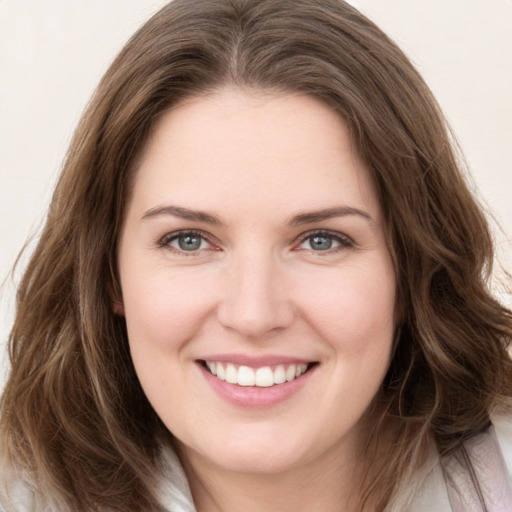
165 239
335 234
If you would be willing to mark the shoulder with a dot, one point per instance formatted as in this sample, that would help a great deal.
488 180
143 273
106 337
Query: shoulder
479 472
485 459
15 493
19 494
174 491
503 428
432 493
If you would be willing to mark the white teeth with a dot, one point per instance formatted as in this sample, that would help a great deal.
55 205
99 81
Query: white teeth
221 374
301 368
290 373
212 367
231 374
279 375
245 376
262 377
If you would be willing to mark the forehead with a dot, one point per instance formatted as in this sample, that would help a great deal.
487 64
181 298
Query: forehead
234 145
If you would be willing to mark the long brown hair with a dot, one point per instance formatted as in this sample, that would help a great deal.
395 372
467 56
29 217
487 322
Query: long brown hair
74 419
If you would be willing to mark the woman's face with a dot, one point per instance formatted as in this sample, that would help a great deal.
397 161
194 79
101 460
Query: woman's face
253 248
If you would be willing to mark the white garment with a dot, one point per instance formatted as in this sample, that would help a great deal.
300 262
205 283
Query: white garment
176 497
433 496
491 456
175 493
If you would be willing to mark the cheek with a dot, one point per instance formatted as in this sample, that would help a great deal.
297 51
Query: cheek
353 308
163 313
165 310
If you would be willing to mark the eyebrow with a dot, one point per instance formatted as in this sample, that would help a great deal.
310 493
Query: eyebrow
297 220
183 213
328 213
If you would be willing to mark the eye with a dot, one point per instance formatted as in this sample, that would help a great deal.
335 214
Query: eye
186 241
325 241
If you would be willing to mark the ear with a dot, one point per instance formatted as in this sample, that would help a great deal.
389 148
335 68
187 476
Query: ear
118 307
116 299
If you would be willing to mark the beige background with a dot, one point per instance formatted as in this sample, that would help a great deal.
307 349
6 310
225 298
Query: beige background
52 54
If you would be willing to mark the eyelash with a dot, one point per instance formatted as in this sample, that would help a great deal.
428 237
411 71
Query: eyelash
344 241
165 241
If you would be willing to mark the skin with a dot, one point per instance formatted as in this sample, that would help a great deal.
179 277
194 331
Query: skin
257 286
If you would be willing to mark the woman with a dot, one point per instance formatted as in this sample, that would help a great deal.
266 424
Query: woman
261 285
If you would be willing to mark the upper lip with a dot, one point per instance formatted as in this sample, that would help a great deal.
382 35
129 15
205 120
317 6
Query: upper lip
255 361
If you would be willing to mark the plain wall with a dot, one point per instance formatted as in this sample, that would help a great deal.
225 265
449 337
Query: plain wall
53 53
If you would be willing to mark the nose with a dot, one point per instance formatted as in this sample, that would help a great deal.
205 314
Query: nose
255 302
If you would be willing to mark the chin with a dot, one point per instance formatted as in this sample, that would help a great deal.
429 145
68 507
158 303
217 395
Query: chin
263 463
249 456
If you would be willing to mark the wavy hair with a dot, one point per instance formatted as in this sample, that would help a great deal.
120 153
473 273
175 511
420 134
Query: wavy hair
74 419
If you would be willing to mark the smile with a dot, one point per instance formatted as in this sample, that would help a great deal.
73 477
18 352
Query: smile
264 377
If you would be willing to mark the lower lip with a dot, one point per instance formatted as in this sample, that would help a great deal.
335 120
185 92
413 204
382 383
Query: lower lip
254 396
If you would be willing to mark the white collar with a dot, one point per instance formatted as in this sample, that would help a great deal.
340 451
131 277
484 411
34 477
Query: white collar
174 492
175 495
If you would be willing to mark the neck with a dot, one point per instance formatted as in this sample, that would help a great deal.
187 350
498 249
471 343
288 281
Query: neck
326 484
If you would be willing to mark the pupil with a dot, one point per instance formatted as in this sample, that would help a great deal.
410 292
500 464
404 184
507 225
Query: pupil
321 243
189 242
